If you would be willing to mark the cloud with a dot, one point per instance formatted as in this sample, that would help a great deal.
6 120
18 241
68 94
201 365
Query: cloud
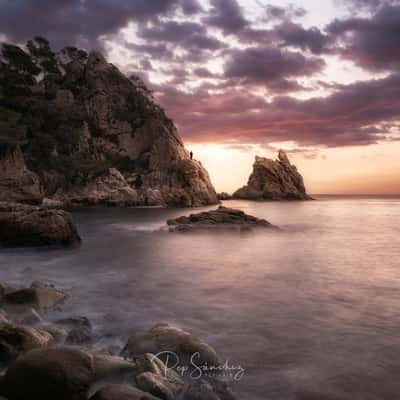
226 15
76 21
372 43
284 13
291 34
188 35
271 67
361 113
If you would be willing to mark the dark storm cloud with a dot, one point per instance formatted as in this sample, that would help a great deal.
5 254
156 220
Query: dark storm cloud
185 34
271 67
372 43
226 15
291 34
191 7
72 21
351 116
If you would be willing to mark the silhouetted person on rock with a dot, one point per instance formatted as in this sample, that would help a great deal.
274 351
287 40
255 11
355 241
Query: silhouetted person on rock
138 182
191 155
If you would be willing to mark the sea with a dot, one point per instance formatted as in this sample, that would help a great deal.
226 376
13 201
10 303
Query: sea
309 312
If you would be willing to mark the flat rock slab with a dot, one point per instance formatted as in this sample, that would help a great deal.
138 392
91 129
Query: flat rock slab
221 218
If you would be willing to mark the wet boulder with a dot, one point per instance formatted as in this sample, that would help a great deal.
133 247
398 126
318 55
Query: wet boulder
164 339
212 390
153 376
122 392
18 339
47 374
35 226
37 296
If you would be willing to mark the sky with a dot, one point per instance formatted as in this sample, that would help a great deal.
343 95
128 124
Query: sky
319 79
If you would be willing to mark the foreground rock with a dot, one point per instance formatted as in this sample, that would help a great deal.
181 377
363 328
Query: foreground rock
48 374
90 135
221 218
18 339
273 180
35 226
154 377
122 392
39 296
166 338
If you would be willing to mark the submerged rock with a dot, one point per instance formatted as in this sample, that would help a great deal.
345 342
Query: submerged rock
273 180
164 338
221 218
35 226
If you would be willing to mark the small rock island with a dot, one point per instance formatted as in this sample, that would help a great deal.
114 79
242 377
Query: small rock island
273 180
223 218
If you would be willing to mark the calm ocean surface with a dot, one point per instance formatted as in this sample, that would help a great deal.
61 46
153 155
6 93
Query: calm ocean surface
311 312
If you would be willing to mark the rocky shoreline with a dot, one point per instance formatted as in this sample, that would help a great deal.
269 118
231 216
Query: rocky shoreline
44 358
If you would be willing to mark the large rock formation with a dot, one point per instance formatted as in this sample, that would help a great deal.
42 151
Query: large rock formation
273 180
73 128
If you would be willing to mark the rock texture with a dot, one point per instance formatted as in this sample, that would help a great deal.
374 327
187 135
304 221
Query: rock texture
17 183
167 338
54 373
221 218
75 130
35 226
273 180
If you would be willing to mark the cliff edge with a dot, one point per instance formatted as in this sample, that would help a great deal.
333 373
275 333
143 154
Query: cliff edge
74 129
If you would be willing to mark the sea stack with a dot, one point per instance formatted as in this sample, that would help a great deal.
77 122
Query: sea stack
82 133
273 180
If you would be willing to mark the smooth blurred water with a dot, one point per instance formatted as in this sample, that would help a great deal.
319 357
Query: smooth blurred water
311 312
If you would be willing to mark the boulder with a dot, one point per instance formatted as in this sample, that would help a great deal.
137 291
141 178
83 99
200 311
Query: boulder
221 218
40 297
80 329
273 180
164 338
121 392
47 374
212 390
35 226
19 339
153 376
224 196
79 335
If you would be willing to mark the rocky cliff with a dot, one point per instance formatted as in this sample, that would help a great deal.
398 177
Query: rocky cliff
73 128
273 180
